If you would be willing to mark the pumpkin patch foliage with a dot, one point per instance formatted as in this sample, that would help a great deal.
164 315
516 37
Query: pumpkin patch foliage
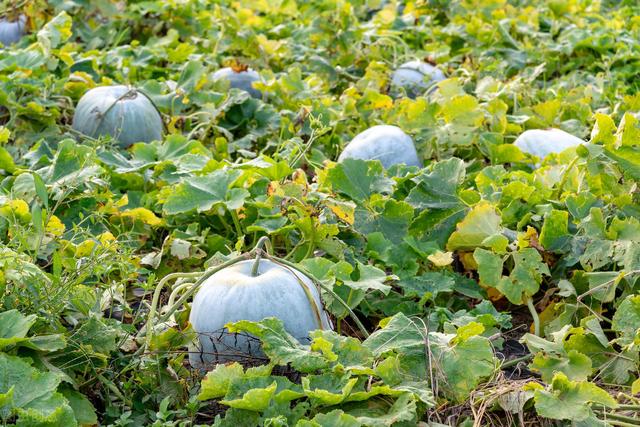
315 213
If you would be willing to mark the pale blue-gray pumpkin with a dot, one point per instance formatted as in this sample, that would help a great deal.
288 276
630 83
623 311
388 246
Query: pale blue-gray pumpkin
12 31
242 80
389 144
542 142
121 112
234 294
415 77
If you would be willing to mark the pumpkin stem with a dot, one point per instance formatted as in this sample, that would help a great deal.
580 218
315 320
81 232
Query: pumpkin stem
262 242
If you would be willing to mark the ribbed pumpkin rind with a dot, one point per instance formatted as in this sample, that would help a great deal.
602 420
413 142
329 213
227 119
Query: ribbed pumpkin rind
232 294
128 119
12 32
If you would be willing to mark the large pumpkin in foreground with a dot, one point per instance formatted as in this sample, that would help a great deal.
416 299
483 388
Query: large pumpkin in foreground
239 79
389 144
122 112
415 77
12 31
542 142
234 294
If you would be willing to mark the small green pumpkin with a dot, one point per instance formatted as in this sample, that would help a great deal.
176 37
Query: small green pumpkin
122 112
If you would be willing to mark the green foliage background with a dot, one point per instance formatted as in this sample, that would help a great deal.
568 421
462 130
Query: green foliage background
442 264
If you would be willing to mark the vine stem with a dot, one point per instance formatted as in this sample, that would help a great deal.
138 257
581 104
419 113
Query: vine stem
607 283
515 361
620 407
201 277
534 314
156 298
617 417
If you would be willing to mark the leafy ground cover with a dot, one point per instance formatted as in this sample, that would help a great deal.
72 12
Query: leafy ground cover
490 292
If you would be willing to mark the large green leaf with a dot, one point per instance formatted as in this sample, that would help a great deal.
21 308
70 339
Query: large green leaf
626 320
480 224
31 395
570 400
201 193
359 179
438 188
279 346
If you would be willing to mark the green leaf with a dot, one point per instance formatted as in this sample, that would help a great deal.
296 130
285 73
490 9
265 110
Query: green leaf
251 394
371 278
14 326
335 418
489 267
97 334
47 411
6 161
30 387
628 158
438 188
358 179
201 193
216 382
237 418
603 130
554 228
626 321
279 346
328 389
83 409
398 333
387 216
480 223
628 133
347 351
526 276
403 409
575 365
570 400
462 361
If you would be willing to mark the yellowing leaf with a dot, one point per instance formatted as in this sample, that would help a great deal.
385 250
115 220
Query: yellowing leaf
345 211
5 134
482 222
85 248
16 209
440 259
604 129
144 215
55 226
463 109
107 240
